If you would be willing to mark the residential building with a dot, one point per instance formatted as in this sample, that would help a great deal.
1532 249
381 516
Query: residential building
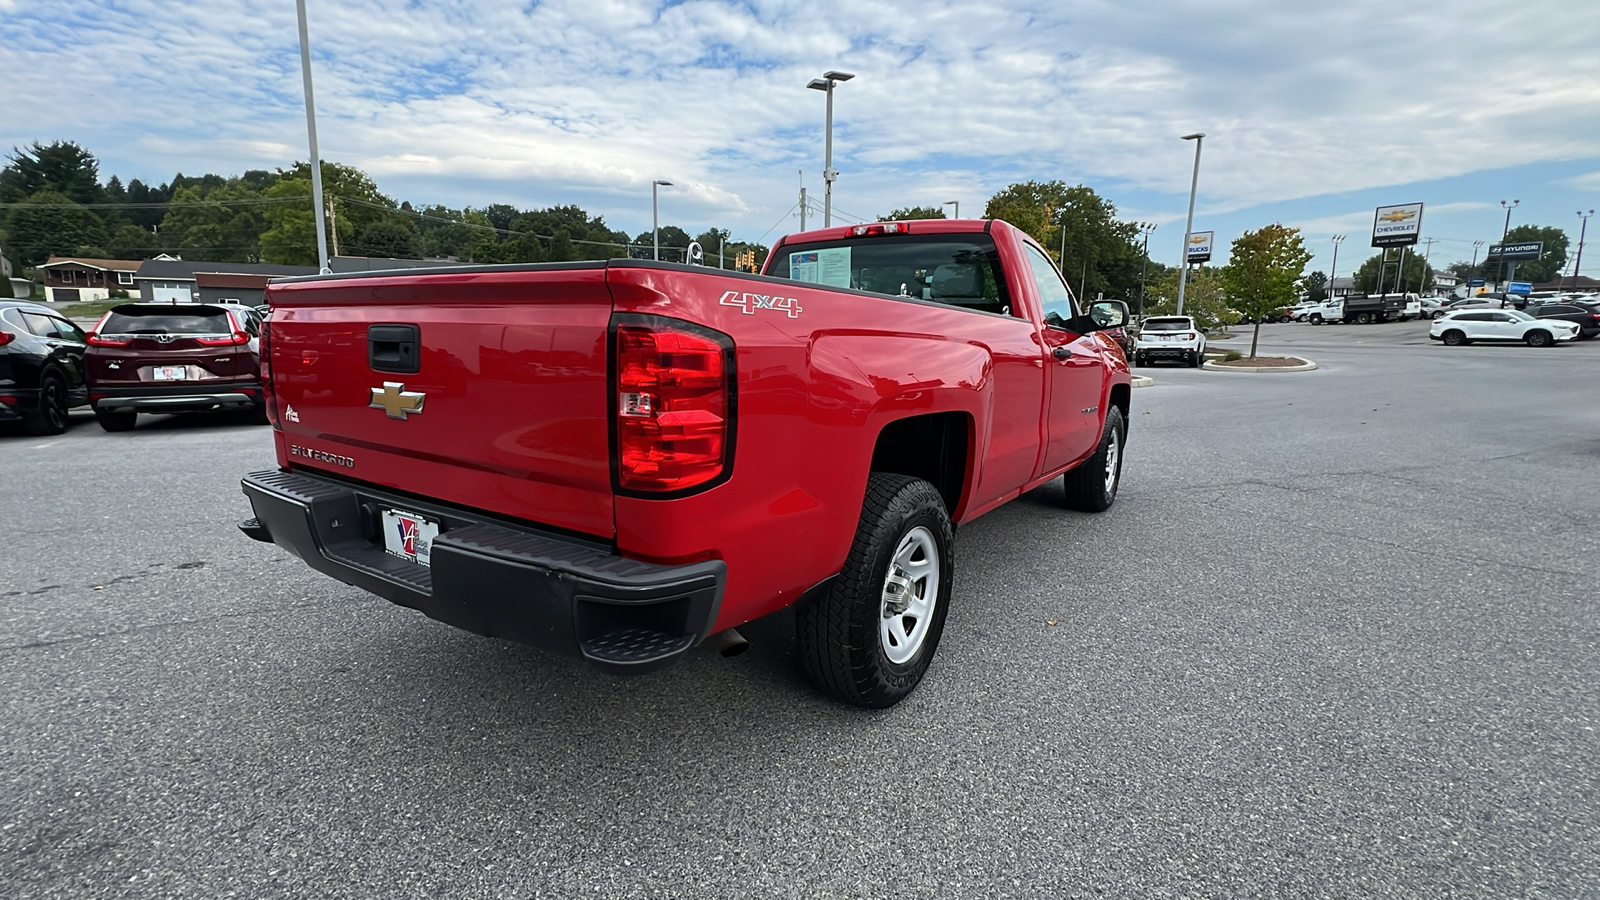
70 279
168 279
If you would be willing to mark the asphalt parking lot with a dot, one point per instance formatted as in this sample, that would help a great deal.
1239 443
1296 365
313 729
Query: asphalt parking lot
1338 638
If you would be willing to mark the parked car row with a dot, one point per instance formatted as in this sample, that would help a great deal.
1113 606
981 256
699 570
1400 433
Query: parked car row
140 358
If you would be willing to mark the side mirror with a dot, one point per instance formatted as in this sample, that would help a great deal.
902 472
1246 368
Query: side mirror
1105 314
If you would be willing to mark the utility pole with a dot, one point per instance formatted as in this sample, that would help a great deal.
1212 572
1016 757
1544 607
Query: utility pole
1199 138
1503 233
333 220
311 133
1583 231
802 200
1473 266
1333 269
1427 254
1144 264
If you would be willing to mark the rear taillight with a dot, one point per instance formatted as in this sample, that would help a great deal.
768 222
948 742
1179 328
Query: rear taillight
674 405
238 338
6 337
96 340
269 397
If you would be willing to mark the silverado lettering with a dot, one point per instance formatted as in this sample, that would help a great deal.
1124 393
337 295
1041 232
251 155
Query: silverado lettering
621 460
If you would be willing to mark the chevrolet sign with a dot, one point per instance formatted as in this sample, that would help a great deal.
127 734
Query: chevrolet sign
1396 226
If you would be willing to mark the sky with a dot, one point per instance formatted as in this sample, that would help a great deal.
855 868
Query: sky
1314 113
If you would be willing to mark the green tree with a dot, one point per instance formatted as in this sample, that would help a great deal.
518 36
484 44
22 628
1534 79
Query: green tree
1097 253
215 221
1263 272
49 223
132 242
905 213
1417 277
1316 287
62 166
1203 298
388 239
1550 262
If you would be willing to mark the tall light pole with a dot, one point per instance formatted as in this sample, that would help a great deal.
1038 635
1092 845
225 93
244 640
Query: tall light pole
1503 233
655 217
1334 269
311 132
1144 264
956 204
1583 230
825 84
1199 138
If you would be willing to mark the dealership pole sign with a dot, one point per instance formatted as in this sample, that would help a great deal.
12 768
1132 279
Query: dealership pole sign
1397 226
1199 249
1516 250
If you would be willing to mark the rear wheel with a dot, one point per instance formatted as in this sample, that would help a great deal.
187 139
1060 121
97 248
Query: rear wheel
1092 486
1539 338
51 416
869 639
1364 319
1454 338
116 421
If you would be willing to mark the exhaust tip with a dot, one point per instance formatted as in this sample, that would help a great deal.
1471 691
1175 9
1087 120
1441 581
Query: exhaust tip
728 644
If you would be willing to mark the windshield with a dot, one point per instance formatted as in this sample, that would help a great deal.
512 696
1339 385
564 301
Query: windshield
957 269
1168 325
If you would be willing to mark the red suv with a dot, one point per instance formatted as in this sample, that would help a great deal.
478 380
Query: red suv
166 358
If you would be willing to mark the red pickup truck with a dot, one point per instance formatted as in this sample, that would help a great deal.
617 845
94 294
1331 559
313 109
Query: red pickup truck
621 459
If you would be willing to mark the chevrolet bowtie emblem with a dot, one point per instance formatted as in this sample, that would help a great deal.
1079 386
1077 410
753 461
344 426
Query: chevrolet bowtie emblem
396 401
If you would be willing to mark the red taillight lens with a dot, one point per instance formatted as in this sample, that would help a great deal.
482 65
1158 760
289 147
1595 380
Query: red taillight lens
6 337
269 397
674 400
881 228
236 339
95 340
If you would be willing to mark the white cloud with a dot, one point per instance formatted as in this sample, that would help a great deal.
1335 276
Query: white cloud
1589 182
533 103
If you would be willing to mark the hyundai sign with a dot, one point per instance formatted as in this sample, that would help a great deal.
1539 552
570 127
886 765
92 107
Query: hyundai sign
1397 226
1199 249
1517 250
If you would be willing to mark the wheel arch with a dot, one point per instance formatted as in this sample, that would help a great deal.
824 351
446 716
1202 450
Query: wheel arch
935 447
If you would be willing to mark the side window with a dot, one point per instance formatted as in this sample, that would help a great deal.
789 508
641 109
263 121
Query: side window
1053 292
69 331
42 325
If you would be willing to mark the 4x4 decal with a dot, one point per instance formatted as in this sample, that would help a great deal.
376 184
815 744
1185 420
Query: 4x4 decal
752 302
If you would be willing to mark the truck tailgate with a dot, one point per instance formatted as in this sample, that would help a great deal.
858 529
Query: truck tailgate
499 404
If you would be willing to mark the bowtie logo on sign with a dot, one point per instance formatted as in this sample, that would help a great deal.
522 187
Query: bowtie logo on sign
752 302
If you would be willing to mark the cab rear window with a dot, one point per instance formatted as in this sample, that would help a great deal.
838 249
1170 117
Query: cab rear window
955 269
165 321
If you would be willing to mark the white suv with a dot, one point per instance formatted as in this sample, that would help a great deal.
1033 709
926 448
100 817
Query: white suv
1465 326
1169 337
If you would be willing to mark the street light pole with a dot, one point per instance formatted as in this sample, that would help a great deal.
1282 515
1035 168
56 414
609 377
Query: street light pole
1583 230
1333 270
956 204
1503 233
311 133
1144 264
825 84
1194 182
655 218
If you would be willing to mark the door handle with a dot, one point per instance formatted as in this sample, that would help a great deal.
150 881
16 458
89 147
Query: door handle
1062 353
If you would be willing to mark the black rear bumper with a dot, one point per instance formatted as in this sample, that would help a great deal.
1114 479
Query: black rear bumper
183 396
545 590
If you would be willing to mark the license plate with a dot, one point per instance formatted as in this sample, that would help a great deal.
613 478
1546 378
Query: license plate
172 373
409 536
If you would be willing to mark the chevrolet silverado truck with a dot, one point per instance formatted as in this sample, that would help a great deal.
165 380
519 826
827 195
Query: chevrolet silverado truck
621 459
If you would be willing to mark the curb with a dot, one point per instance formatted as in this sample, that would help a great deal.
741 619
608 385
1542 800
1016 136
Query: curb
1143 381
1308 366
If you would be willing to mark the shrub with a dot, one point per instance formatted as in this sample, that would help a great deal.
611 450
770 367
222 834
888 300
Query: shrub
1232 355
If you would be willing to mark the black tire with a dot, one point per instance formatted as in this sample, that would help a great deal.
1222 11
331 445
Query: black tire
839 633
1364 318
1315 319
1453 338
1539 339
51 416
1195 359
1092 486
116 421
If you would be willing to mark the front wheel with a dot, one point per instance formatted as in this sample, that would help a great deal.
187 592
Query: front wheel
1539 338
1092 486
1316 319
51 416
868 640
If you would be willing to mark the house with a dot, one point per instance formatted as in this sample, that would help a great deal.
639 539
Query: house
167 279
69 279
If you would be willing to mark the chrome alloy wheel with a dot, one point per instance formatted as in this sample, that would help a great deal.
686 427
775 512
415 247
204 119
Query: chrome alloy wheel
1113 459
910 589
